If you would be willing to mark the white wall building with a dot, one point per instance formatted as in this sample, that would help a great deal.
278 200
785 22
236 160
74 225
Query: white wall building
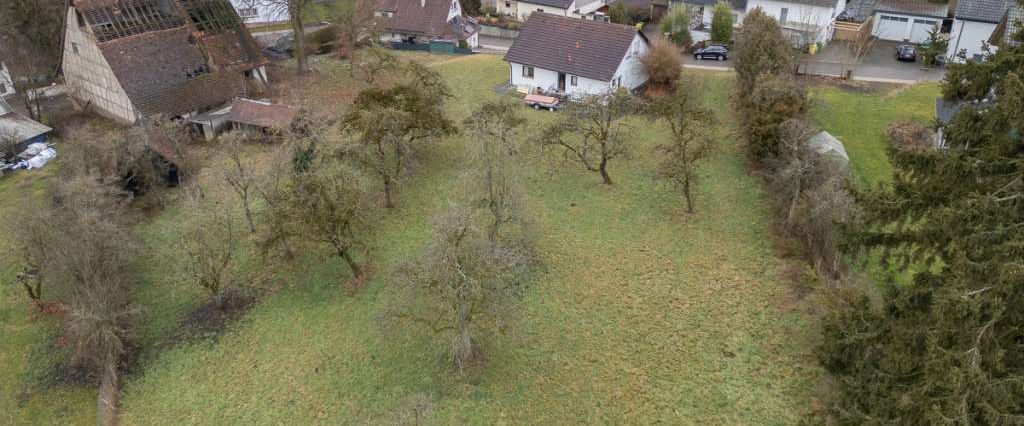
576 57
806 21
907 20
973 24
260 12
572 8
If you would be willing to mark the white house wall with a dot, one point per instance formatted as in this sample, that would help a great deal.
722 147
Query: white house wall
889 29
799 16
969 36
547 80
89 78
709 14
256 12
630 70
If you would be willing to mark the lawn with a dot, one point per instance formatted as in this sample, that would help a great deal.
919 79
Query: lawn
640 314
860 118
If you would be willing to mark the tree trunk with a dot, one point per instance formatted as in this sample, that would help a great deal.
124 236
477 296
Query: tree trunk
107 402
462 350
300 42
689 196
356 270
387 193
248 213
604 172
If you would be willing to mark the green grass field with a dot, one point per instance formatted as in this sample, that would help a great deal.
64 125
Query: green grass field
860 120
641 313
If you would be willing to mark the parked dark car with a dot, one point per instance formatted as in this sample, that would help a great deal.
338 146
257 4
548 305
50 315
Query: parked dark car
720 53
906 52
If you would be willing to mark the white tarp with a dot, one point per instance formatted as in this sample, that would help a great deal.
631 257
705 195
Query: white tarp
38 160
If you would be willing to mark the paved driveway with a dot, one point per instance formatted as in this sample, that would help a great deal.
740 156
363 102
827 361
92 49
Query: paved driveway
880 64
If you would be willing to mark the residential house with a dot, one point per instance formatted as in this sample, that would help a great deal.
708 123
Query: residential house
907 20
260 12
423 21
569 8
576 57
805 21
130 59
974 21
702 11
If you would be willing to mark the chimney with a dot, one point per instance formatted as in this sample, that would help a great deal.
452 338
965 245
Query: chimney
423 3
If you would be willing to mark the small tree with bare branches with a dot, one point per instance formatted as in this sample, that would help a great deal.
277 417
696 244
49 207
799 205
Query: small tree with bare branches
388 123
461 284
326 203
210 241
240 174
593 131
692 128
493 180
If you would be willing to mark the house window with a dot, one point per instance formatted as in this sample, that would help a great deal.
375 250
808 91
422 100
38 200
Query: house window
573 81
508 4
540 10
384 14
783 15
527 71
74 47
248 12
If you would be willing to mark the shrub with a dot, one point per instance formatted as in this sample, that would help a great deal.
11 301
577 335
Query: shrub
721 23
676 26
761 48
662 64
774 100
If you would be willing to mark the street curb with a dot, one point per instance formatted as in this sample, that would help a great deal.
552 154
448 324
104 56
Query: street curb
706 67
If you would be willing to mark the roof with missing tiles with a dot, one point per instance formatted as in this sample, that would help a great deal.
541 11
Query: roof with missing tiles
174 69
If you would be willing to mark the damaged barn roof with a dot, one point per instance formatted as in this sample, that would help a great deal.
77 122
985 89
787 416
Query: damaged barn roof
261 114
173 56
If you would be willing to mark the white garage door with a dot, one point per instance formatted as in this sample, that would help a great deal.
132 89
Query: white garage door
891 27
920 30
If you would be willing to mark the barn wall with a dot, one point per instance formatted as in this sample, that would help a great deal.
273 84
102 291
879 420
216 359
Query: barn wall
89 77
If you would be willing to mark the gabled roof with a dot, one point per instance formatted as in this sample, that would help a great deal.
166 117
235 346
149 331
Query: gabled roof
21 127
561 4
167 62
913 7
261 114
574 46
427 18
991 11
819 3
735 4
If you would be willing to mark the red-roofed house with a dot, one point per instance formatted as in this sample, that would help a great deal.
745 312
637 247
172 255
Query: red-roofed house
423 21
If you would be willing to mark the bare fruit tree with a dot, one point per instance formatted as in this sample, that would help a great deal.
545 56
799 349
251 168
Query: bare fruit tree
693 132
389 123
326 203
593 131
295 11
461 284
84 250
493 180
240 174
209 242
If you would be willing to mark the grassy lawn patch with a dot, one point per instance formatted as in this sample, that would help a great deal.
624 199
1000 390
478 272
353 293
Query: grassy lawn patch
859 120
641 313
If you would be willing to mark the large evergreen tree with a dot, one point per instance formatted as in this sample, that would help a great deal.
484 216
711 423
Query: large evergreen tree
948 347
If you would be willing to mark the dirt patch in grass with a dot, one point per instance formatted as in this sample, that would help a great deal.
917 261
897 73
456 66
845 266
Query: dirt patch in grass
850 86
211 319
